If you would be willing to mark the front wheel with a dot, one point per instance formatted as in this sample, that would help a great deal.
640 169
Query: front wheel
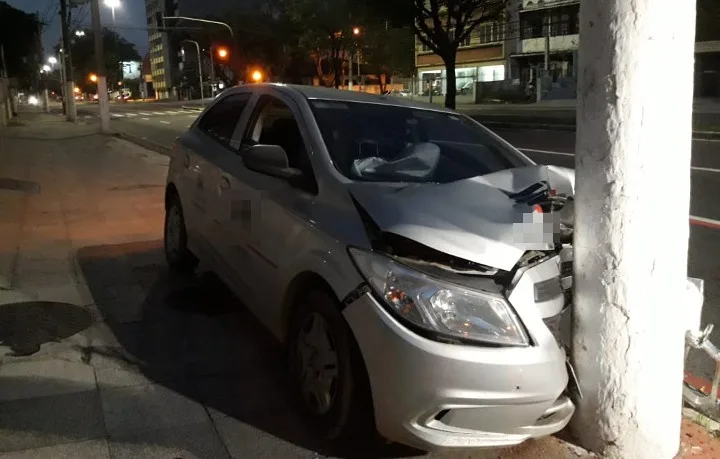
177 254
327 372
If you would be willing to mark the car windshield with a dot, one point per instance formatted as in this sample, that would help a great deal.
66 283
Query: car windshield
385 143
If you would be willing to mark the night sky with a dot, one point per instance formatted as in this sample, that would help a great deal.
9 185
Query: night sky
130 20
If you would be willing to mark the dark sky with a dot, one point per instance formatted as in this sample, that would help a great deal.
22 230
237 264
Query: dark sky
130 21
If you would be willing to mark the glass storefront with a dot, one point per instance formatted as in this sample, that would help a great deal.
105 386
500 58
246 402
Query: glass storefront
465 78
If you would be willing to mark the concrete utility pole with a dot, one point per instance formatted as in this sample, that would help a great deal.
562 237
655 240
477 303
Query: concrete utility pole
103 102
69 97
629 292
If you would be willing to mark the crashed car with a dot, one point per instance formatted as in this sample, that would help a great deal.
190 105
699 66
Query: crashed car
416 266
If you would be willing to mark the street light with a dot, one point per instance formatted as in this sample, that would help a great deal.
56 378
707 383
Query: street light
52 60
79 33
93 78
222 53
356 30
200 77
46 68
112 4
257 76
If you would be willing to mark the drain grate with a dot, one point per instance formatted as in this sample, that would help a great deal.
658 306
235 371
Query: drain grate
19 185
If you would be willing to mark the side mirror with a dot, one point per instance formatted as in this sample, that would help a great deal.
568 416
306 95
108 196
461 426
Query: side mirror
271 160
262 157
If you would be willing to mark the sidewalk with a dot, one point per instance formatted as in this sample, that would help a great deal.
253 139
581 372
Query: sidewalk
102 353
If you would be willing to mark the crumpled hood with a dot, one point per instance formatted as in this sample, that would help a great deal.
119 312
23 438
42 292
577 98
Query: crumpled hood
475 219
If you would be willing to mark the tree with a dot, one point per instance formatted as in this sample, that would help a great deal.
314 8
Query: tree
19 39
326 33
117 49
442 25
390 48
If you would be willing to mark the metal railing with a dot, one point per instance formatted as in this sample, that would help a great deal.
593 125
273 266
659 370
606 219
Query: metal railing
695 397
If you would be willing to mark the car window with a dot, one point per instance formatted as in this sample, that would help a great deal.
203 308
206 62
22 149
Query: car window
273 123
386 143
220 121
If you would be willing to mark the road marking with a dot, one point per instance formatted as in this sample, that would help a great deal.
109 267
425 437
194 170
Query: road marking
87 116
146 119
131 114
171 112
192 116
116 115
157 113
145 113
164 122
706 222
560 153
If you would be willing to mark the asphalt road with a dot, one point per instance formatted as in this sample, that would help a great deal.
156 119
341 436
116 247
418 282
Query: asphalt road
161 123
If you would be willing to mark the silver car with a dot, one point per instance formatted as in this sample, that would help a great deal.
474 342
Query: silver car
416 266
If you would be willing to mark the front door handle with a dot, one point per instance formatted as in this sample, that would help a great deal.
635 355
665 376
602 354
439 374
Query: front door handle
224 183
186 161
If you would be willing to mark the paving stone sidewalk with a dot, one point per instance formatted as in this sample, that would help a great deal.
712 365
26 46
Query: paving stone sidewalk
102 353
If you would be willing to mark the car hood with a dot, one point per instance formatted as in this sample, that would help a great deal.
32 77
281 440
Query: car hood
483 219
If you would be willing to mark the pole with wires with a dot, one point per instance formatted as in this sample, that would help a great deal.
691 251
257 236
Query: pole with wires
71 113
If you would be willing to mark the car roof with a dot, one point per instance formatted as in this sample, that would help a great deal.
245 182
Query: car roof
322 93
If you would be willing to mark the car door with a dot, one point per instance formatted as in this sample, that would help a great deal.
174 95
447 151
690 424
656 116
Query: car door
267 211
213 139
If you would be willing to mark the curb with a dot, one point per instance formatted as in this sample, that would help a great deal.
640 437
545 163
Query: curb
148 144
697 135
189 107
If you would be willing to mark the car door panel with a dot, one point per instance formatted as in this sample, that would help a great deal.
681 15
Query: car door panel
269 214
220 148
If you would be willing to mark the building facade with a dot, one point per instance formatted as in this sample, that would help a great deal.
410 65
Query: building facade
161 59
166 58
543 33
479 58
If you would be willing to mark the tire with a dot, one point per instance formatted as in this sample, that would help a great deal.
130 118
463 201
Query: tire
178 256
347 418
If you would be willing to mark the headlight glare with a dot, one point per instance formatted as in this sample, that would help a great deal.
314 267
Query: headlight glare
439 306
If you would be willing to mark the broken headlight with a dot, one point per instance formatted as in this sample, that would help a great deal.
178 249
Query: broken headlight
438 306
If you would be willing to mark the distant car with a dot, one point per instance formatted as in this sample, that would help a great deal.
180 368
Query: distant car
376 237
96 97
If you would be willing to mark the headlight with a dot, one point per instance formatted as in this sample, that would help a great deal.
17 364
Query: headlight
32 100
439 306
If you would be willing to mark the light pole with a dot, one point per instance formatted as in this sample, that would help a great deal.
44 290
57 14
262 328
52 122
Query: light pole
207 21
197 46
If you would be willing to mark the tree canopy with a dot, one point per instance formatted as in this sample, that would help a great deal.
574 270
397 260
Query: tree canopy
117 49
19 39
442 25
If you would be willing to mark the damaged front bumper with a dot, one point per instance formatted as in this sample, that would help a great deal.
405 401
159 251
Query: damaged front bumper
435 395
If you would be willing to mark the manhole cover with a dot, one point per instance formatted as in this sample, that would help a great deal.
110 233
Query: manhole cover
19 185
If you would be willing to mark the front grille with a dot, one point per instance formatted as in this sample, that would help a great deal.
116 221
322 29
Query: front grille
566 268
